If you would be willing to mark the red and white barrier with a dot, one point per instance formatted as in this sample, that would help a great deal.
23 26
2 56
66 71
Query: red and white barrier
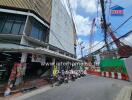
93 70
115 75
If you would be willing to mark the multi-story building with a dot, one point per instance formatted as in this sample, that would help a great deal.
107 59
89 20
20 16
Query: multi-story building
35 31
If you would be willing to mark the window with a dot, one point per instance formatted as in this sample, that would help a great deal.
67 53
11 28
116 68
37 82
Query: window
38 31
7 26
35 31
12 23
40 35
16 28
2 22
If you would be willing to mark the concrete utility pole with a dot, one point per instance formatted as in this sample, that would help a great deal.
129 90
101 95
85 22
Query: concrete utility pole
104 23
82 47
82 51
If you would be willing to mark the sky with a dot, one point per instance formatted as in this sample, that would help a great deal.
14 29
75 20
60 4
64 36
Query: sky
84 11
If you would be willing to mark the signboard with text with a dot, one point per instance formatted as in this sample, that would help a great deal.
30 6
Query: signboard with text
117 11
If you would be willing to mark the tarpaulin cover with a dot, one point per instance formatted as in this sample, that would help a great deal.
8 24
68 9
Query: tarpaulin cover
113 65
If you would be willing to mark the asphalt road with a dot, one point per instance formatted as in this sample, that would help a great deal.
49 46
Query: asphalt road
87 88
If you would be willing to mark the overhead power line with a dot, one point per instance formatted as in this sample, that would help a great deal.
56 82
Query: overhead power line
122 24
114 31
123 36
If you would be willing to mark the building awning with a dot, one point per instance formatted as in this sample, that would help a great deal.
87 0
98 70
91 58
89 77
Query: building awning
22 48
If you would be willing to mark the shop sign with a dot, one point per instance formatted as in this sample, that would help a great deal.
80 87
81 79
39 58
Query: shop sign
38 58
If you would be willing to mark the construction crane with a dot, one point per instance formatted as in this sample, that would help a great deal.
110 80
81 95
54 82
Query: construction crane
123 50
91 40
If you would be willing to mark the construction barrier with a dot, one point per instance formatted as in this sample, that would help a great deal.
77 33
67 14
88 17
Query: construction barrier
113 68
115 75
93 70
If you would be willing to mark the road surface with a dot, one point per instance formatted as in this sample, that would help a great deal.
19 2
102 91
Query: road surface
87 88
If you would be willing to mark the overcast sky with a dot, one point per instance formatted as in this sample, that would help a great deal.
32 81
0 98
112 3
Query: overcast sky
86 10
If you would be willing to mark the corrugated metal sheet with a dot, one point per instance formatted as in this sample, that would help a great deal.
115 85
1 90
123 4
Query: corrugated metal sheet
42 7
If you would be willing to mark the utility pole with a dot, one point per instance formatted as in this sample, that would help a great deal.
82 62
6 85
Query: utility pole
82 47
104 23
91 39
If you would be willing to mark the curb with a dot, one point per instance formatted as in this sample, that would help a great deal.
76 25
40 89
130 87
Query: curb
32 93
35 92
125 93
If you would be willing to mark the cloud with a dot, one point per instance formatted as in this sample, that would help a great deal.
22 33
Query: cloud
96 45
79 40
73 4
83 25
89 5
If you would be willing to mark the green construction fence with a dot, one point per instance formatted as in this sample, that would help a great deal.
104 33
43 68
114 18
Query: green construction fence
113 65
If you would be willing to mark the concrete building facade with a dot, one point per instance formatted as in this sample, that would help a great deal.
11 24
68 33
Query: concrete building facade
34 32
61 28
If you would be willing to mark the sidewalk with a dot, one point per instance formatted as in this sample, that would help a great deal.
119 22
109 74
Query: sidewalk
26 88
125 93
22 96
32 93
